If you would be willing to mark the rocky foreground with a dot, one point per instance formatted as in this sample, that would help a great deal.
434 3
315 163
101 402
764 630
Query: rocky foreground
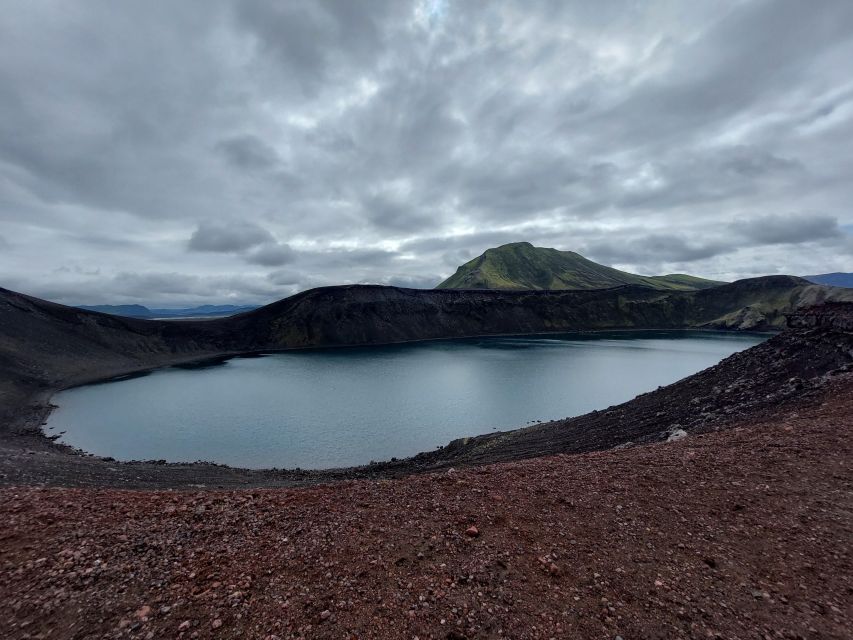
741 533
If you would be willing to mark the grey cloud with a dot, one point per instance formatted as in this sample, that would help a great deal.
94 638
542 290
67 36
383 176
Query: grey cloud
99 104
635 247
699 176
286 277
414 282
531 183
77 269
471 240
788 229
653 134
758 51
179 286
136 284
153 288
271 255
294 280
345 258
658 248
308 268
248 152
228 238
394 213
309 42
754 163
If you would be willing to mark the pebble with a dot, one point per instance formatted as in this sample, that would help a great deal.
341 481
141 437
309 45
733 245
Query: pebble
472 531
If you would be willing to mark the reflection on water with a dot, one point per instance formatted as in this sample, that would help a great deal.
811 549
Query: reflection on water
340 407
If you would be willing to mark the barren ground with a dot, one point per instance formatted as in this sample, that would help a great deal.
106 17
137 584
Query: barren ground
742 533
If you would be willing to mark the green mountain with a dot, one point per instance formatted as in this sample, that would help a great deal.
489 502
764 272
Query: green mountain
520 265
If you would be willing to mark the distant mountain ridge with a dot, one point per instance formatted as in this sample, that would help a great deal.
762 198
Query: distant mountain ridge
520 265
836 279
140 311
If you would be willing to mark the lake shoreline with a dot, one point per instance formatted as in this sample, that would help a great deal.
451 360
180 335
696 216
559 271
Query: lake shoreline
31 458
327 409
50 347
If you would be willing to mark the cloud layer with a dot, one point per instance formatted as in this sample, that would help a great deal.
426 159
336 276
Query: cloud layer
216 150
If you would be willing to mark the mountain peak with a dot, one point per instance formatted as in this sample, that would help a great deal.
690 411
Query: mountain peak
520 265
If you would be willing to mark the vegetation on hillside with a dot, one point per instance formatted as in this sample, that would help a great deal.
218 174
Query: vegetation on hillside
520 265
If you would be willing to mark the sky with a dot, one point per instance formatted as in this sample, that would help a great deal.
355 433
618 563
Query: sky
213 151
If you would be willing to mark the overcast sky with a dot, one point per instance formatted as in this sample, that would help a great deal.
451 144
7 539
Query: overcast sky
209 151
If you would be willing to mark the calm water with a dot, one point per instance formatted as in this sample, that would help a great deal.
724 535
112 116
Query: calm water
328 408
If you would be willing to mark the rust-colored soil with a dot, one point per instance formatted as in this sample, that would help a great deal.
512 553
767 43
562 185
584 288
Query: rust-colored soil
743 533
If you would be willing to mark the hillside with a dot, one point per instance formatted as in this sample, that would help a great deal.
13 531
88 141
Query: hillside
520 265
833 279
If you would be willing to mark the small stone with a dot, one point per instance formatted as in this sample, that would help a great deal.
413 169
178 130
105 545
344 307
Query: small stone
676 434
216 623
184 625
472 531
143 612
325 615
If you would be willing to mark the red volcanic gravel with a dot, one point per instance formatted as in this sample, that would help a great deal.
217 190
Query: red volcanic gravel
744 533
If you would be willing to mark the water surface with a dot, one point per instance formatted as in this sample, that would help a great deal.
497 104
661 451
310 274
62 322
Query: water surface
341 407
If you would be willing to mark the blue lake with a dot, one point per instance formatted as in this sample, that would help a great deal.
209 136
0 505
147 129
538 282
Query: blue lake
342 407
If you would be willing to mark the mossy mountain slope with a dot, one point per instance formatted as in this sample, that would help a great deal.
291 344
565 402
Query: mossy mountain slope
520 265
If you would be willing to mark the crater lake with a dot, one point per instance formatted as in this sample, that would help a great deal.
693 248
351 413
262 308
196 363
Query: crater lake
342 407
